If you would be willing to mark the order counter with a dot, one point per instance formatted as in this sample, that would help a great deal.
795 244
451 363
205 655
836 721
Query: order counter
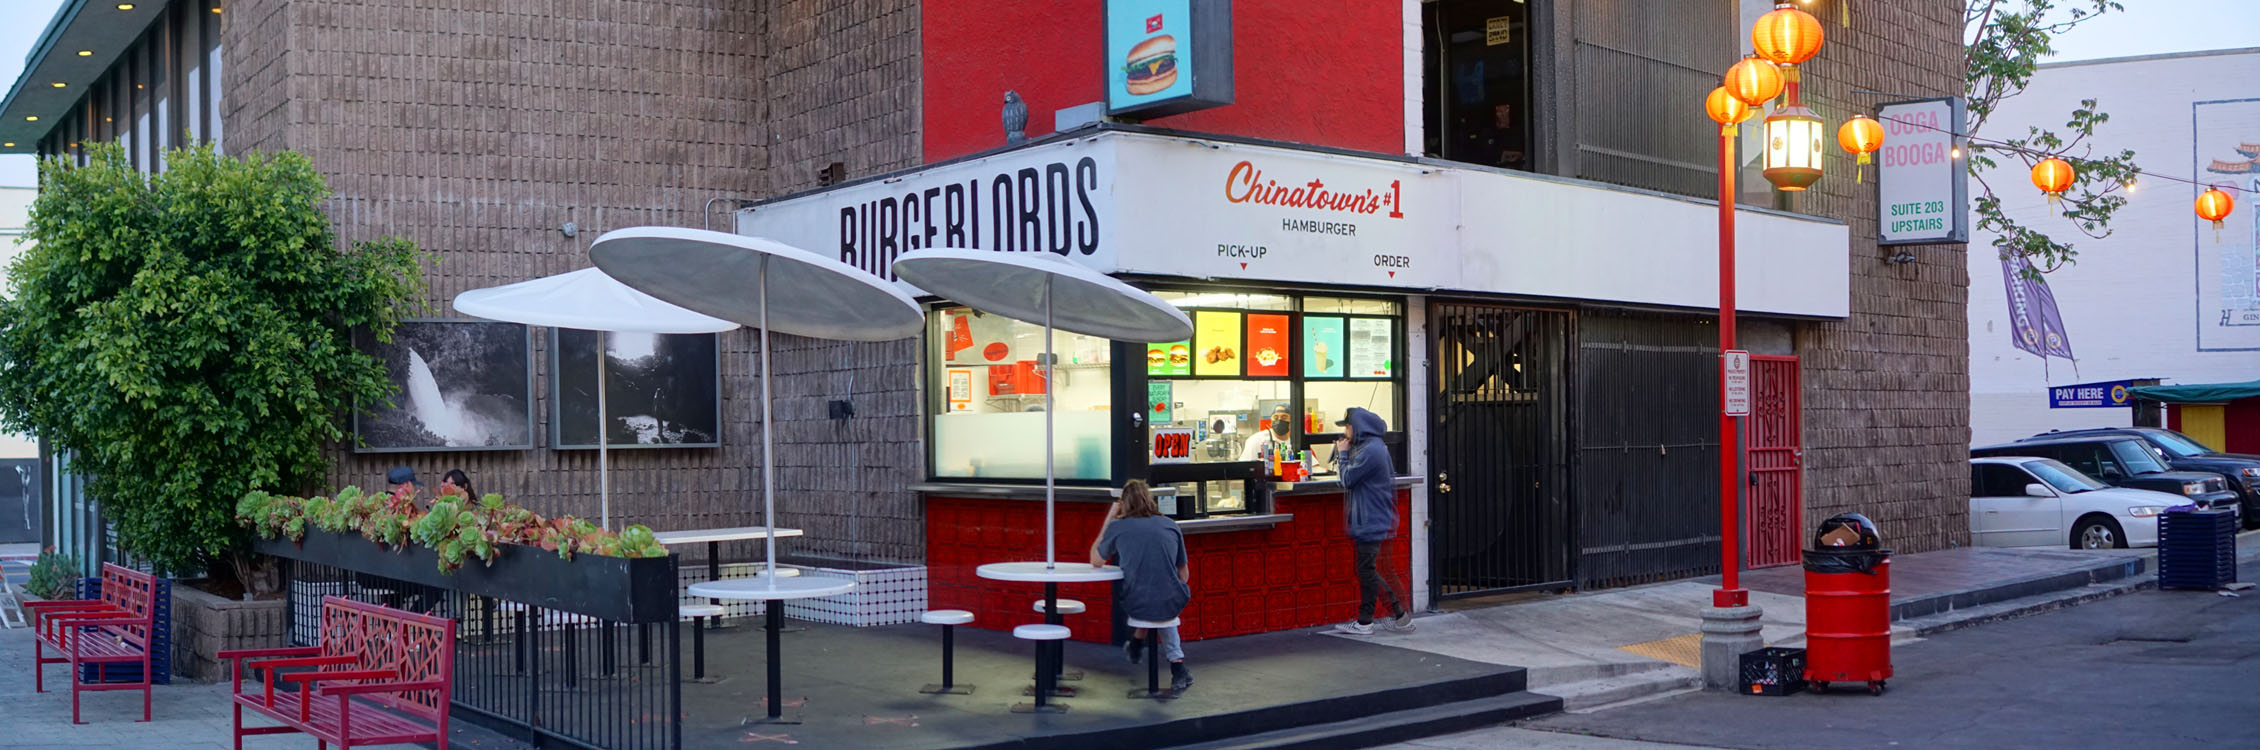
1284 567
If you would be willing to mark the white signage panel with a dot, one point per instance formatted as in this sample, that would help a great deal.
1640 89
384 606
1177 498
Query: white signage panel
1051 199
1228 211
1567 239
1167 206
1734 372
1922 180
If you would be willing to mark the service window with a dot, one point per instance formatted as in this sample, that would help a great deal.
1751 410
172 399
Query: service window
986 399
1264 377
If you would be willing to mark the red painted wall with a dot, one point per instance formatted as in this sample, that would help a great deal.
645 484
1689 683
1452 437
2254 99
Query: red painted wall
2242 423
1294 575
1331 77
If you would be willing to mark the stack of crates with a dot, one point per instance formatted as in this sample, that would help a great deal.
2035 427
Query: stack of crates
160 638
2196 549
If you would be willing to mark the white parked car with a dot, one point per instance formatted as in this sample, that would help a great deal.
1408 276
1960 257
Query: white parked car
2018 501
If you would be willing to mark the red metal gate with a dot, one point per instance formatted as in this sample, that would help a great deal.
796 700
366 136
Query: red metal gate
1775 525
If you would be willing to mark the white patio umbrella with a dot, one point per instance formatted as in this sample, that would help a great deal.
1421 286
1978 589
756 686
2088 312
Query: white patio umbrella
1045 287
587 300
768 285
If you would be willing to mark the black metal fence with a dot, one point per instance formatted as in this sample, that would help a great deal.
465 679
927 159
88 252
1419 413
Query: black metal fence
547 676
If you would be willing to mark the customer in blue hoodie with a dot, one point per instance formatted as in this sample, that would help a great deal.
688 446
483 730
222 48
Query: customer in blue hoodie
1369 499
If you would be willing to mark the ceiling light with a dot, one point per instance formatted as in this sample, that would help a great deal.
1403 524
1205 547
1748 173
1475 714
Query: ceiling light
215 10
125 6
86 53
57 84
105 119
10 144
31 118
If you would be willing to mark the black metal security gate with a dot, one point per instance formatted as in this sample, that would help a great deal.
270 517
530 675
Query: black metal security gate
1648 458
1499 449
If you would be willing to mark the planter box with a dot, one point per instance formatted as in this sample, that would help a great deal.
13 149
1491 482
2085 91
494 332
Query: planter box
204 625
610 588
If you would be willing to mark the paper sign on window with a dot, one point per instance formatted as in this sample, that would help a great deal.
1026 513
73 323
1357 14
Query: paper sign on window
1322 347
1216 343
1268 346
1370 348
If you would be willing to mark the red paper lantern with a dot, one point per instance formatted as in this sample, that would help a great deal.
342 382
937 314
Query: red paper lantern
2053 176
2214 205
1726 110
1860 135
1787 36
1754 81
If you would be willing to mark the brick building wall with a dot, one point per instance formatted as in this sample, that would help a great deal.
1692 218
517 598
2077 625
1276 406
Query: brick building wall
479 130
1887 420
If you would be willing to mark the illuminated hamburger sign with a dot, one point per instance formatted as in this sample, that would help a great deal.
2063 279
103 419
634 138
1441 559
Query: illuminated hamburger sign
1167 57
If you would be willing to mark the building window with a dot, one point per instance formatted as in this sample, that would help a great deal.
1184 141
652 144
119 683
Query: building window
1265 377
1477 60
986 399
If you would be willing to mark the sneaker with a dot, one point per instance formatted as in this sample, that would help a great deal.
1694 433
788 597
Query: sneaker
1134 650
1402 623
1179 677
1354 627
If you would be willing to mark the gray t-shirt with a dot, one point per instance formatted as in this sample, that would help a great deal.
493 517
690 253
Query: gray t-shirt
1149 550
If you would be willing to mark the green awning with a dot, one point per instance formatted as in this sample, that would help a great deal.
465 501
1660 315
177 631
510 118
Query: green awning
2203 393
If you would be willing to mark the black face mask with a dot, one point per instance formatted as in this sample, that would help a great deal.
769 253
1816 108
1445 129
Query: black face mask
1279 427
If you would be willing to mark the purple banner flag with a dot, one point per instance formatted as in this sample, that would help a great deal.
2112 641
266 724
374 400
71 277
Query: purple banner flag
2035 324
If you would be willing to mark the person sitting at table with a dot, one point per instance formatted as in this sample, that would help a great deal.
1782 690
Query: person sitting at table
1156 574
400 483
457 483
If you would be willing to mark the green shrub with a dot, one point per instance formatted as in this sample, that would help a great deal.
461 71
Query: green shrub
53 576
457 529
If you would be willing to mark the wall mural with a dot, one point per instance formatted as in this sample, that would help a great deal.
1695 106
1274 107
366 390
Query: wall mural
661 390
463 385
2227 144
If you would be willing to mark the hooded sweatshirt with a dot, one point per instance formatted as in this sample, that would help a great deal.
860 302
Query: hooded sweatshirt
1368 484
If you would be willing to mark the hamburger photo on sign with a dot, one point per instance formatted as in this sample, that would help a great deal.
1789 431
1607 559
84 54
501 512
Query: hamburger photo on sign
1152 66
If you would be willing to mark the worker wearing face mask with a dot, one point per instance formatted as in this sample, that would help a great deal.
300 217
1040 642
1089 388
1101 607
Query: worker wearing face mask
1262 445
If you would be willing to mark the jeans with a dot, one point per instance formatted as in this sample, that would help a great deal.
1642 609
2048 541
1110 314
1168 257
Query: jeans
1371 583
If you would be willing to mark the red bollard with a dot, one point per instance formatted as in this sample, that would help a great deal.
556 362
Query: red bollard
1848 627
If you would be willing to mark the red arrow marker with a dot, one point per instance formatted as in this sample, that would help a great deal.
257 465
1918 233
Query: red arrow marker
1243 266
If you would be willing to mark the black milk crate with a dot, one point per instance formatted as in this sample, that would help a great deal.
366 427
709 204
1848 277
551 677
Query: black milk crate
160 637
2196 549
1773 671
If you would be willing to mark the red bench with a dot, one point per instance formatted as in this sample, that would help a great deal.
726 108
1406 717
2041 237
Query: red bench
97 632
381 676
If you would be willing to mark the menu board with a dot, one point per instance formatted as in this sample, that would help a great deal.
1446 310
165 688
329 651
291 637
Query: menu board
1268 346
1370 348
1171 360
1322 347
1216 343
960 389
1160 395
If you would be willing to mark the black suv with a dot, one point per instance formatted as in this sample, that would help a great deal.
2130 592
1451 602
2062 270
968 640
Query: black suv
2184 454
2121 461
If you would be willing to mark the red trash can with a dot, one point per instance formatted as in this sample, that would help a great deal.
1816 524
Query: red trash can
1848 606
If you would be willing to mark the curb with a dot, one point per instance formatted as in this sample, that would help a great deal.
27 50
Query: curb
2103 587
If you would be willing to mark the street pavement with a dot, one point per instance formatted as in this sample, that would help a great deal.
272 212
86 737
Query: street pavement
2154 669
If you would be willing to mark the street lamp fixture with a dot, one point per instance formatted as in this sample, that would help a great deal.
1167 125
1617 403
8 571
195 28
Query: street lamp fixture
1793 148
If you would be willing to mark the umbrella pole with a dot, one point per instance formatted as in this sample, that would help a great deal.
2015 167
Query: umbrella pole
1051 528
768 446
603 445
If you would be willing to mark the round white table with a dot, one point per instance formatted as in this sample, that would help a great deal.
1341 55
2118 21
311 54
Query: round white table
775 591
1051 575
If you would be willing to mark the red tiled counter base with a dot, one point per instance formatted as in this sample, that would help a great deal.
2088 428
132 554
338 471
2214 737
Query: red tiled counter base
1293 575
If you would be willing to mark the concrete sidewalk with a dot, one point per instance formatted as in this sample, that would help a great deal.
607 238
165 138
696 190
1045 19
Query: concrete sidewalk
1606 647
